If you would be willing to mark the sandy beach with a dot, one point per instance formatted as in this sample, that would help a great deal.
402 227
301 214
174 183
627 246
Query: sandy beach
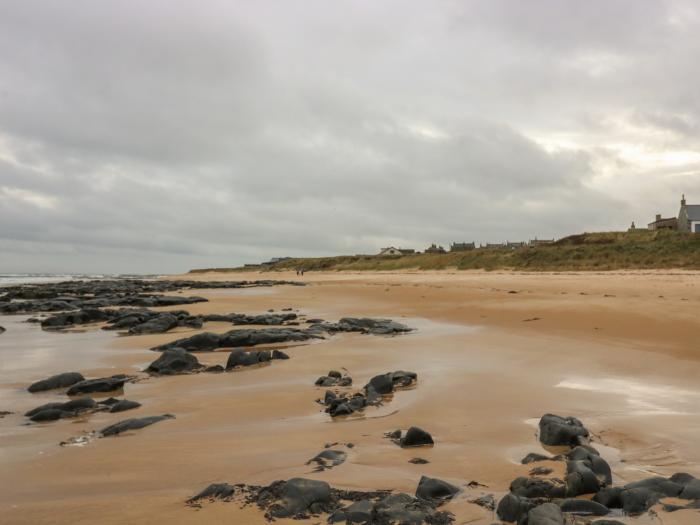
493 353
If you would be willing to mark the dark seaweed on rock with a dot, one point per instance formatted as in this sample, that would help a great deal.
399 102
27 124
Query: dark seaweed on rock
174 362
208 342
363 325
102 384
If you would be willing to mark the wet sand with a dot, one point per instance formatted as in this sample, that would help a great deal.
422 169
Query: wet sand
619 351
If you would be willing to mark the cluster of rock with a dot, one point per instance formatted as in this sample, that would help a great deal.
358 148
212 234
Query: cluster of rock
364 325
178 361
301 498
208 341
78 407
372 393
334 378
541 501
136 321
80 295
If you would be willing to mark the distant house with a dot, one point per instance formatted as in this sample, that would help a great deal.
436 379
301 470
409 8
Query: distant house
660 223
689 217
462 246
538 242
275 260
389 250
433 248
514 245
495 245
407 251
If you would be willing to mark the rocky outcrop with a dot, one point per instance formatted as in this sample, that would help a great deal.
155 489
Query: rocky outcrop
174 362
300 498
363 325
239 358
102 384
334 378
243 319
207 342
557 430
54 411
435 490
132 424
63 380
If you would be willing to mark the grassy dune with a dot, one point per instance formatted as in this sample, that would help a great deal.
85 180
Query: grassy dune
640 249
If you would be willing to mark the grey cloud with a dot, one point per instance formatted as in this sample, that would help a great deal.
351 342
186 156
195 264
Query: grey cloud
164 135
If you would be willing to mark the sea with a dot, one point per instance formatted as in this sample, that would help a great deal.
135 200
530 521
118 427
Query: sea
7 279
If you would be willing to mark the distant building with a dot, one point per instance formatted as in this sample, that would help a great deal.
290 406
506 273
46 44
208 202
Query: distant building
538 242
462 246
275 260
514 245
407 251
660 223
433 248
390 250
632 228
495 245
689 217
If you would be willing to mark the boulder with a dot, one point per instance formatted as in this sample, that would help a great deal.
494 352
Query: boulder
545 514
63 380
2 330
279 354
402 508
54 411
358 512
239 357
538 488
133 424
174 362
556 430
299 495
583 507
435 490
512 507
416 437
533 456
103 384
159 324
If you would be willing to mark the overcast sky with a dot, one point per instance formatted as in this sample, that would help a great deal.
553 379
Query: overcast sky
158 136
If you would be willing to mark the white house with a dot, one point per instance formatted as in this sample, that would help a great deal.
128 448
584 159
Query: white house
390 250
689 217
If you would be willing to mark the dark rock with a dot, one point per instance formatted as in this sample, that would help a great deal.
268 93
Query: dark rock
358 512
402 508
556 430
64 320
418 461
240 357
582 507
2 330
214 369
512 507
299 495
435 490
157 325
222 491
124 404
416 437
334 378
133 424
279 354
606 522
545 514
173 362
366 326
328 459
63 380
54 411
204 342
538 488
587 475
533 456
487 501
103 384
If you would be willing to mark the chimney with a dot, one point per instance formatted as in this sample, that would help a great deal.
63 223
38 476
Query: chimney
683 200
658 217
